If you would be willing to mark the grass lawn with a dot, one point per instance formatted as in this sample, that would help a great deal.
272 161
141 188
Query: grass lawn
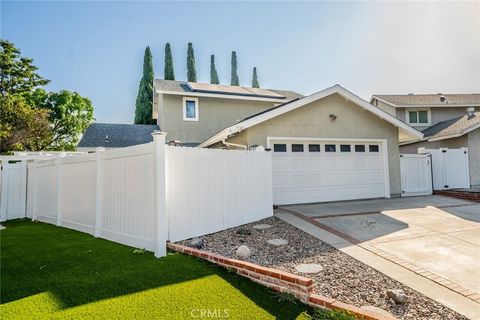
49 272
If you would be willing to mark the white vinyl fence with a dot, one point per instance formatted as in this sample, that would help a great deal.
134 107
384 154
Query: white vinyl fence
12 199
147 194
416 174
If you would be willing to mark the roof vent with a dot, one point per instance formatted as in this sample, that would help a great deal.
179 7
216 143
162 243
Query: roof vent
107 140
410 94
470 112
443 99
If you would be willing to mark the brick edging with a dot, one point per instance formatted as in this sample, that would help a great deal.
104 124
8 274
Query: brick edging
411 267
464 195
280 281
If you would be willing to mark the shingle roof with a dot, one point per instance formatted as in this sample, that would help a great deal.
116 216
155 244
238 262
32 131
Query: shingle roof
472 99
457 126
181 86
119 135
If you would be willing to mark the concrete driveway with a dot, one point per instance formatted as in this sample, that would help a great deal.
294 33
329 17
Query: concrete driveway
435 236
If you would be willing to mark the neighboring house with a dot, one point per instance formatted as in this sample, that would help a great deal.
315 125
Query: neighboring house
110 136
446 120
328 146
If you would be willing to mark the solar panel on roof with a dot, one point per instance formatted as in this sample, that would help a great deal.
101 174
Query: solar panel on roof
234 90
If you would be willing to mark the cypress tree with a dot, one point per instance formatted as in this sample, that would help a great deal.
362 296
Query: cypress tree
255 83
144 102
234 81
191 72
168 73
213 71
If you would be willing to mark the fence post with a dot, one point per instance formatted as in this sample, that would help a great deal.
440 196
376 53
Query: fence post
3 200
58 165
35 190
98 191
160 219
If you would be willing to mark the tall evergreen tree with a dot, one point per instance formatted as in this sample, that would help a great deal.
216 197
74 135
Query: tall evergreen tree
234 81
213 71
144 103
191 72
255 83
168 73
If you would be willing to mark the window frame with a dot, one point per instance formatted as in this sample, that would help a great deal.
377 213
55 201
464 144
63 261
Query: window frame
280 144
314 144
330 144
417 110
184 106
297 144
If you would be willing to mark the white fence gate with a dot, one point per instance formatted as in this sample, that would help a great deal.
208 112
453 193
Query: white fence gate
450 167
13 197
144 195
416 174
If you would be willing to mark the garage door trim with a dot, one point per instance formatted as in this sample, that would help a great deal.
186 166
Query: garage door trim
382 142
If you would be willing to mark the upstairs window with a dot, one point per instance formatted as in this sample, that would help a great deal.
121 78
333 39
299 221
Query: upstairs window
190 109
418 117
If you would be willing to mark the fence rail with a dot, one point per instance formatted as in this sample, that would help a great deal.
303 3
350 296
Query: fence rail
144 195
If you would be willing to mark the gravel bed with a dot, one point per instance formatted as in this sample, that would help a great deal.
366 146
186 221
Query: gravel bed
343 277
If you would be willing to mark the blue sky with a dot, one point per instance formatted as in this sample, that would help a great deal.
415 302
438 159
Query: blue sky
96 48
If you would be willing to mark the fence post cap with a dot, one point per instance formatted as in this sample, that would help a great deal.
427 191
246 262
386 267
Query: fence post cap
99 149
158 132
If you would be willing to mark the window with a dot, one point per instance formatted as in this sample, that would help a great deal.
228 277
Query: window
297 147
190 109
418 117
314 148
373 148
330 148
359 148
279 147
345 148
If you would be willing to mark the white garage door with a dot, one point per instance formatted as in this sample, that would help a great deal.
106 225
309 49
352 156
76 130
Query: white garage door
318 171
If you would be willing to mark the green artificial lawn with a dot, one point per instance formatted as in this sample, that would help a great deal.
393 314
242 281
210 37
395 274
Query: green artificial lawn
49 272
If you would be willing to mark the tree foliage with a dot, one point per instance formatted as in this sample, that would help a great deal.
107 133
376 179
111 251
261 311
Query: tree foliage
255 83
234 81
22 127
144 102
191 72
17 74
213 71
168 73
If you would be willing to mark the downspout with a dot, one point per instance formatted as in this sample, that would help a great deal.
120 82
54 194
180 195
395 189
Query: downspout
228 144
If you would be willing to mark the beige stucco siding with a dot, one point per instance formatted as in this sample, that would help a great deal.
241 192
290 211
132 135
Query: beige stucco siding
313 120
474 154
214 115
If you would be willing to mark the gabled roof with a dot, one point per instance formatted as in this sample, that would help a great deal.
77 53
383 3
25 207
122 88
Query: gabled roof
453 128
292 105
110 135
182 87
439 99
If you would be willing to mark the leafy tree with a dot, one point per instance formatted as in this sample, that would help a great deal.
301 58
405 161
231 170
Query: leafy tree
168 71
69 116
17 74
22 127
234 81
144 102
213 71
191 72
255 83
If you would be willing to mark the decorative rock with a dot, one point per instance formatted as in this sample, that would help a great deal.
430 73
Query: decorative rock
262 226
277 242
377 310
397 295
197 242
244 231
243 252
309 268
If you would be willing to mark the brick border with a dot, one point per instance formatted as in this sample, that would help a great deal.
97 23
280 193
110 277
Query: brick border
420 271
464 195
279 281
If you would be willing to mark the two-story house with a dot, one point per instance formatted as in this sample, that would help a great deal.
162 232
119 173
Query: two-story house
446 121
327 146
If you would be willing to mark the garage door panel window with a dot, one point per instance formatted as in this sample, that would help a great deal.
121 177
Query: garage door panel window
373 148
345 148
359 148
314 148
330 148
279 147
297 147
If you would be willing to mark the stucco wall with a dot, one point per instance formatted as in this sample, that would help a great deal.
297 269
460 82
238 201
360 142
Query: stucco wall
313 121
474 154
214 115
